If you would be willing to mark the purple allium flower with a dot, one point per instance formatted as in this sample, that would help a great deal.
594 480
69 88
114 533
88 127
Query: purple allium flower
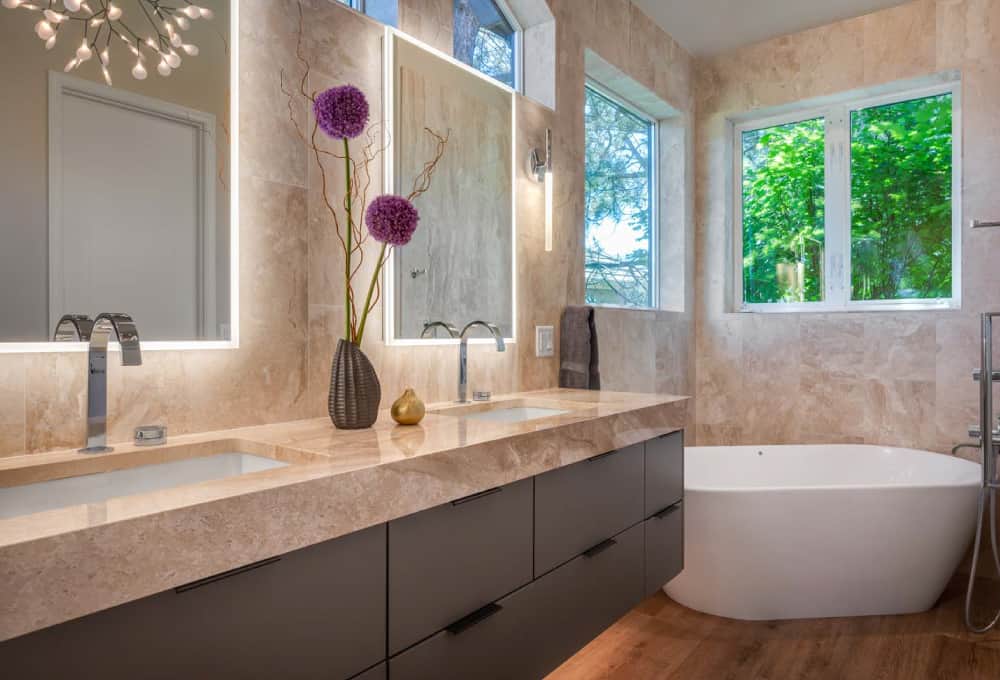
342 112
392 220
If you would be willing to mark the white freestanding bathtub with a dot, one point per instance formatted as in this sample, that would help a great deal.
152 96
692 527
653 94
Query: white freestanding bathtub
780 532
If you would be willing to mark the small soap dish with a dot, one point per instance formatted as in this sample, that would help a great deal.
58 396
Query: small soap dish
150 435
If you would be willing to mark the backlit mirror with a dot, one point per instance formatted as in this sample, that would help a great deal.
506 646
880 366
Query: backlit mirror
117 188
459 266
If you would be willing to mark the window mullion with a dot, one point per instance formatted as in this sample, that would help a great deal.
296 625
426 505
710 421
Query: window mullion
837 211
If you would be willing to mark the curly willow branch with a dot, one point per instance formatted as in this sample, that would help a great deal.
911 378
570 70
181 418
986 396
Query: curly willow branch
422 182
351 234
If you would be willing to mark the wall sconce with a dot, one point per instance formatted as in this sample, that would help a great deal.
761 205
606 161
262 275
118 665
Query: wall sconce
541 170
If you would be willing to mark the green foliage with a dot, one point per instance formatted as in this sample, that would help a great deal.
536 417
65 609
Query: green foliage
783 212
618 196
901 165
901 175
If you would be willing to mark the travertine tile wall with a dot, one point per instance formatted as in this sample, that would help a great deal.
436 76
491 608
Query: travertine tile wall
291 309
888 378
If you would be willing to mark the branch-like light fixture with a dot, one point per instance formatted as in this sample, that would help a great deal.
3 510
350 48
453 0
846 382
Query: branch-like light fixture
100 21
541 170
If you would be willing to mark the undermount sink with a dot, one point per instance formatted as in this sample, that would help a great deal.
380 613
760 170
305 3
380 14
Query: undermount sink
516 414
51 494
505 411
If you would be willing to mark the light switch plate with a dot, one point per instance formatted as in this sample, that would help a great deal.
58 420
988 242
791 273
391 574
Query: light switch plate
545 341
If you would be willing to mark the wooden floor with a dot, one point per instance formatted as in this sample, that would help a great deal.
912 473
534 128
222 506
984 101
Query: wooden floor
661 639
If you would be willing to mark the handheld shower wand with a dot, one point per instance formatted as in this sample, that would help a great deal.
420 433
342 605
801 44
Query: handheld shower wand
989 443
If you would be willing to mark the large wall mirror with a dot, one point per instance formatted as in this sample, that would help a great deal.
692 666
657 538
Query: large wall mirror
459 267
118 143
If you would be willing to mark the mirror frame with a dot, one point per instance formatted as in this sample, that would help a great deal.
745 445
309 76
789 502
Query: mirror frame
234 221
389 185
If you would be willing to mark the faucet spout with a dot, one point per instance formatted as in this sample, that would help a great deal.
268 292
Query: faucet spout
123 328
463 355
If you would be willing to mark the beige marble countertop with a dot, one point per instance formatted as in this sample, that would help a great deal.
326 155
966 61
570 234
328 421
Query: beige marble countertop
61 564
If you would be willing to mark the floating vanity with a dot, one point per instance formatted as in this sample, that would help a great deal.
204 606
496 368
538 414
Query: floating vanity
493 540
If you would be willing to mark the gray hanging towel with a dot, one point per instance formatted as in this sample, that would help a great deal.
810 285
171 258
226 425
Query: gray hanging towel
579 367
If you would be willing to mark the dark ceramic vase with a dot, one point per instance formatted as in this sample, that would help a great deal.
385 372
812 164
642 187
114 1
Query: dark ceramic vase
355 392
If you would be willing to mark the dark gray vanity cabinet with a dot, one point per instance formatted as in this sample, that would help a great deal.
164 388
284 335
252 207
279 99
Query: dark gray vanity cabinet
664 477
453 559
580 505
505 584
664 553
529 633
313 613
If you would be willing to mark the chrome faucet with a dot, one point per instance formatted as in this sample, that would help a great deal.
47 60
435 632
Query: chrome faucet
123 328
463 355
73 328
451 330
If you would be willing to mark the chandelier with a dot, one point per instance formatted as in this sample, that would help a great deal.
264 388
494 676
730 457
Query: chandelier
101 23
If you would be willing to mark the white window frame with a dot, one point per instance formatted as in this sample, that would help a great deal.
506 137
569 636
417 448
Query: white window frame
836 112
518 43
359 6
518 51
654 199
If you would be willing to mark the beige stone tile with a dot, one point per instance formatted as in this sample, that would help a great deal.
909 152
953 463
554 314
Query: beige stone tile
270 147
903 413
982 31
956 395
149 394
610 31
832 345
12 416
643 53
951 18
833 410
900 346
429 21
900 42
55 400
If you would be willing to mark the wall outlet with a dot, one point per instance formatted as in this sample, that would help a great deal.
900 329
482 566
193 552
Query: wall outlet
545 341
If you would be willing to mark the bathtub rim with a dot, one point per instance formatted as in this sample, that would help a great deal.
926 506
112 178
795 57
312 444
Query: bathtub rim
880 486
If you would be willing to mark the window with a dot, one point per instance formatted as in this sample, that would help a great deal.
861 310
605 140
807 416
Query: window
851 206
486 38
385 11
619 203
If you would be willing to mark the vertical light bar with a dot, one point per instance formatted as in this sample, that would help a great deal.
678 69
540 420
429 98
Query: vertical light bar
549 190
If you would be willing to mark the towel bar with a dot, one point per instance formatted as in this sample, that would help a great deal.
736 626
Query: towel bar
979 224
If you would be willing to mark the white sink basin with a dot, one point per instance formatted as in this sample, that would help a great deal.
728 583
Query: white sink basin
516 414
93 488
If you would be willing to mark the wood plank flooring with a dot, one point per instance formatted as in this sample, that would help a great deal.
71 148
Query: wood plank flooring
661 640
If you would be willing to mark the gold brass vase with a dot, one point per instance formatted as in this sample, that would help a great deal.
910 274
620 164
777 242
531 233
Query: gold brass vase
408 409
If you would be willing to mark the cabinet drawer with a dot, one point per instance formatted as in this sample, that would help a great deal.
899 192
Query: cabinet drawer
316 612
664 547
451 560
582 504
532 631
664 472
